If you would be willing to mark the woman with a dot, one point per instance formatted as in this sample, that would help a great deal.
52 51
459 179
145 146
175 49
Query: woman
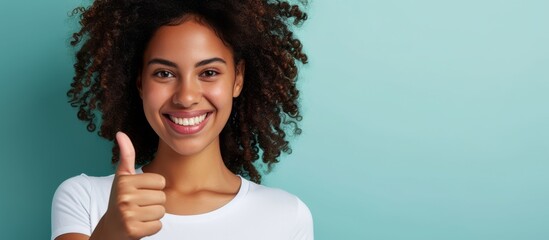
202 89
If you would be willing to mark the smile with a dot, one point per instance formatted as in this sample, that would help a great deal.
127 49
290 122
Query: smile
188 121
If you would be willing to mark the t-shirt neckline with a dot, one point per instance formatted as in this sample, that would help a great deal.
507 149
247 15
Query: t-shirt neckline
242 191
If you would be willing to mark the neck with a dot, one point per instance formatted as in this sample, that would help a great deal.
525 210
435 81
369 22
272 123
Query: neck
204 169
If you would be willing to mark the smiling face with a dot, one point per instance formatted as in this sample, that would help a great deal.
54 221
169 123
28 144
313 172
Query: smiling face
187 86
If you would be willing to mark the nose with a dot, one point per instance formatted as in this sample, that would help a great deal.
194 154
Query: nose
188 93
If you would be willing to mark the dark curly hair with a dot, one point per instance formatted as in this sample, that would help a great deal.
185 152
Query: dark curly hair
114 35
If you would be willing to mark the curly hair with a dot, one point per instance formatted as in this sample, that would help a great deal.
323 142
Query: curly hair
111 43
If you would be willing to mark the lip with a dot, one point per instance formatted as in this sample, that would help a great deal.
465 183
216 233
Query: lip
187 130
187 114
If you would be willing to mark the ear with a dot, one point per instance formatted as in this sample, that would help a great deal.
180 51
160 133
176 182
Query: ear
139 85
239 78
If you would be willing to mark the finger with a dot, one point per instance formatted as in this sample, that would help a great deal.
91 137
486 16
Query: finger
126 166
143 229
146 197
150 181
150 197
151 213
130 184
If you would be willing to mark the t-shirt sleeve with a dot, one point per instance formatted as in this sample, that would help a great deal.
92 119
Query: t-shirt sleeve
304 223
70 212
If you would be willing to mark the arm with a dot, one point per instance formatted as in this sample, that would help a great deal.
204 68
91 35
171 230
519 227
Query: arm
73 236
304 223
135 208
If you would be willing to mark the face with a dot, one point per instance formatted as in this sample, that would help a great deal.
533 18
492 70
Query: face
187 85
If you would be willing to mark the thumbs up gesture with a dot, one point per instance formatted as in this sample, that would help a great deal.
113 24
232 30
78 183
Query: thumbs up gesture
136 203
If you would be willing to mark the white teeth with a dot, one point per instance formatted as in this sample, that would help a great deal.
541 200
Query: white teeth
188 121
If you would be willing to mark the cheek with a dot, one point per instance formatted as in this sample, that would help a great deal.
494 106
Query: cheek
220 95
154 96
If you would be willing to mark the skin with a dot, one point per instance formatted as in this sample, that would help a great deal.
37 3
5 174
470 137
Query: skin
186 68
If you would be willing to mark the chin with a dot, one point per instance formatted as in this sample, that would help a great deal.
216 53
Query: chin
190 148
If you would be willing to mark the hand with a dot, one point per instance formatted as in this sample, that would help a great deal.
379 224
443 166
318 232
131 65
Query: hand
136 203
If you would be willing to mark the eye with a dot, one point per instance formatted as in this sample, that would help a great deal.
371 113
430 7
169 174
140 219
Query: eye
209 73
163 74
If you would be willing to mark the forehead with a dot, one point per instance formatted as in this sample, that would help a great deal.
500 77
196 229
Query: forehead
189 41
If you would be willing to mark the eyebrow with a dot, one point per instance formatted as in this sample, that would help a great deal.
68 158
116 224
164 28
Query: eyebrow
198 64
208 61
162 62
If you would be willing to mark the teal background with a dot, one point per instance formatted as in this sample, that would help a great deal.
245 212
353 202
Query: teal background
422 119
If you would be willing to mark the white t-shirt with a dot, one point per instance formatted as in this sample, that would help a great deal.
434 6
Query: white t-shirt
256 212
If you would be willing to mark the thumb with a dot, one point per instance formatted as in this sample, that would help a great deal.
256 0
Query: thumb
126 166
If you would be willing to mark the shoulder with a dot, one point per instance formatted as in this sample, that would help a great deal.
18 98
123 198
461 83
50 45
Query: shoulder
271 195
82 188
78 203
282 206
279 200
84 183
